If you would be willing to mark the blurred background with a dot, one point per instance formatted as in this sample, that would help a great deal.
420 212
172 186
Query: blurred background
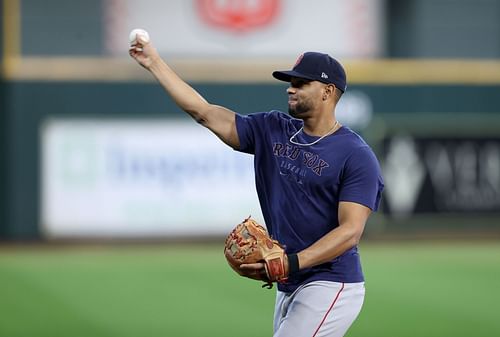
113 202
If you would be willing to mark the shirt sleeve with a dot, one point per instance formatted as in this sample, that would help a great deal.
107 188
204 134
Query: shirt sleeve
362 180
252 130
245 128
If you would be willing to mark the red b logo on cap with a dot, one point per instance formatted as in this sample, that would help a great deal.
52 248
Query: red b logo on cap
298 60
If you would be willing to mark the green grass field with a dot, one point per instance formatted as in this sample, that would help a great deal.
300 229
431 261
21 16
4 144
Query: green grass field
413 289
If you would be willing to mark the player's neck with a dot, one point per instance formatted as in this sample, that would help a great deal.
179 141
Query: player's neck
321 120
320 126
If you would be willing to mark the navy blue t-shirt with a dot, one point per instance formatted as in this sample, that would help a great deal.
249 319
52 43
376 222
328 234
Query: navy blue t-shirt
299 187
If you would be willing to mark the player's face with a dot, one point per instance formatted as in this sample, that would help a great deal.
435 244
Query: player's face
302 97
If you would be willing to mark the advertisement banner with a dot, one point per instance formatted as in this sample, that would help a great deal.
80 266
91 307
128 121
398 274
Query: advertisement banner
249 28
141 178
441 175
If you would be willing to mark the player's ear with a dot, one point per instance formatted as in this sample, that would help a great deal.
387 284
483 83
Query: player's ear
329 90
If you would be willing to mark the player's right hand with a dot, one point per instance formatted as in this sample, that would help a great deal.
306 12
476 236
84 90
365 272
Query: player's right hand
255 271
143 52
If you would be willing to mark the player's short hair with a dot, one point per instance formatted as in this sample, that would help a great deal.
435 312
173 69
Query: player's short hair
338 95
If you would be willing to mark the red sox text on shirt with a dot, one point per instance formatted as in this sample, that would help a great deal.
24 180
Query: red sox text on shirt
310 160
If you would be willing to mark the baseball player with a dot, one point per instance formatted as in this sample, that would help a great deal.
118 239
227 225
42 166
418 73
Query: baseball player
317 183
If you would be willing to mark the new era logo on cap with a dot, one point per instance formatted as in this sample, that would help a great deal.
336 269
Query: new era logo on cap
316 67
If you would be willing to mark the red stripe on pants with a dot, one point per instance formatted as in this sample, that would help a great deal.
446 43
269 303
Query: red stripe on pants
329 309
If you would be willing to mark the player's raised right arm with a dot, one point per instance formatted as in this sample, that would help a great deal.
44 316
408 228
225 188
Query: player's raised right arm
218 119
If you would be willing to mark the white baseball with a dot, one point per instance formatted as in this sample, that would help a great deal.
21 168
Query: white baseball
134 33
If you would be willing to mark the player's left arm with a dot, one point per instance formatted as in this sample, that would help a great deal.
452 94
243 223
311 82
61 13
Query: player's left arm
352 220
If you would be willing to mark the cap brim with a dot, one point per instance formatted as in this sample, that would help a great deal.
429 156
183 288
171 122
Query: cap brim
286 75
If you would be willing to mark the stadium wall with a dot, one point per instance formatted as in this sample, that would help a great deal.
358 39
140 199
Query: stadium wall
442 98
30 104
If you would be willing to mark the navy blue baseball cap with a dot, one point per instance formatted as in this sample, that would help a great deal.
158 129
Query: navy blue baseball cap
316 67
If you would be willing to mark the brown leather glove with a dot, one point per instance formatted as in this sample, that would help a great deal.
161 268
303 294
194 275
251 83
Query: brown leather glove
249 243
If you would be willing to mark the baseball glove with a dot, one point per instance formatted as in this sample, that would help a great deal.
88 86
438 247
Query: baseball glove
249 242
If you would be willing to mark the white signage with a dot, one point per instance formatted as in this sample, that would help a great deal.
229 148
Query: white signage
141 178
250 28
